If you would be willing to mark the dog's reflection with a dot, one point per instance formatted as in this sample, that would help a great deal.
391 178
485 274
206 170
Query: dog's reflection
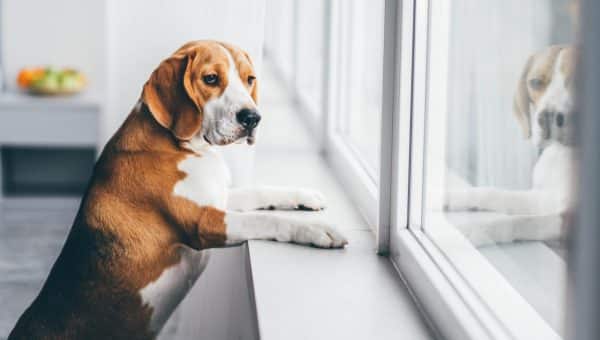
546 110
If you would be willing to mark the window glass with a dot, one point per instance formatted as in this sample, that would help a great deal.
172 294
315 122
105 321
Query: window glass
279 34
362 57
311 35
500 153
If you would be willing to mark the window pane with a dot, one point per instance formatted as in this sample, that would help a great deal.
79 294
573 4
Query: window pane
279 34
360 114
311 34
500 156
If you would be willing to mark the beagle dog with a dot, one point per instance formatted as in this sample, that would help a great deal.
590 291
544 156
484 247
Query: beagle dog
545 108
158 199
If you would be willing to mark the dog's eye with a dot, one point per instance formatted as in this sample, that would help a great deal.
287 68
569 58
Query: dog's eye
536 83
251 80
211 79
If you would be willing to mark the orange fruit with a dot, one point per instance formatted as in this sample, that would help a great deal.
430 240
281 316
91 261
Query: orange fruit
27 75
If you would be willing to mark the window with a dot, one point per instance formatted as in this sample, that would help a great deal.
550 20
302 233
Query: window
479 110
426 106
334 50
493 231
279 36
359 113
355 67
296 38
310 73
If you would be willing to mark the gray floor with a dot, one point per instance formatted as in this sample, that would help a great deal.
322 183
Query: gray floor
32 230
31 235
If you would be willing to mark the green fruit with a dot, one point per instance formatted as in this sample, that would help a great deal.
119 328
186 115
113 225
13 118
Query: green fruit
52 72
48 82
69 82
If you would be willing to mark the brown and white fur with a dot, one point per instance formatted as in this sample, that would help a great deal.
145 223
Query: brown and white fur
545 108
158 197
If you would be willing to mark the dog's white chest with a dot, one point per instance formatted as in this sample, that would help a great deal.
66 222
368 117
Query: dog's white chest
555 173
165 293
206 181
555 168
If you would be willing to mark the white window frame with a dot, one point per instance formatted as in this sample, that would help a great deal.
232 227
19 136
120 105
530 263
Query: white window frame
475 302
358 179
304 104
275 51
308 108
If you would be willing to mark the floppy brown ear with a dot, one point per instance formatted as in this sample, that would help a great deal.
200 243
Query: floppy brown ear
522 101
167 95
254 93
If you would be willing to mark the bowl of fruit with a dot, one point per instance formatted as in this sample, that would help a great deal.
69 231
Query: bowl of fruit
51 80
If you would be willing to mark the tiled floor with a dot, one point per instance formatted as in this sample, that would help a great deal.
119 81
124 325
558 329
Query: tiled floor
32 231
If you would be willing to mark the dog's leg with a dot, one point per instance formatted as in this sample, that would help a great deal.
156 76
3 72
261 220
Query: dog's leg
217 228
278 198
516 228
514 202
250 226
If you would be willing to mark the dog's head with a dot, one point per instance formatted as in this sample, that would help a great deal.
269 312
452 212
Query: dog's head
205 92
545 101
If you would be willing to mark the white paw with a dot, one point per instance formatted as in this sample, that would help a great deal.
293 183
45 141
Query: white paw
457 200
319 235
309 199
456 182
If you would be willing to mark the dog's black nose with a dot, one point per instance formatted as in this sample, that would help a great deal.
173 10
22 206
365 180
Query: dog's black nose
560 119
544 117
249 118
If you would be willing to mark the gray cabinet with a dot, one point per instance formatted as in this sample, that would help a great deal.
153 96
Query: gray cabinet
47 144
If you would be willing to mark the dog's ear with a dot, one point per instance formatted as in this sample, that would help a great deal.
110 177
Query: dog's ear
522 101
168 94
254 93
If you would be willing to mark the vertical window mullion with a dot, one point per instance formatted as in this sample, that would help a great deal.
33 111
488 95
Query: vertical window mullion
332 101
405 113
326 76
419 98
345 48
388 189
401 125
295 38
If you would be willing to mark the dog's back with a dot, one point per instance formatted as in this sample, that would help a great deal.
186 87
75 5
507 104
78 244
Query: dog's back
81 299
93 289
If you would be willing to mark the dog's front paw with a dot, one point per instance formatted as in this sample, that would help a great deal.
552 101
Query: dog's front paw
319 235
307 199
459 200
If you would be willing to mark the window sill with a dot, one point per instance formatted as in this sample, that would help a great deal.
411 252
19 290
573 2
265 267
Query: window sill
309 293
536 270
477 301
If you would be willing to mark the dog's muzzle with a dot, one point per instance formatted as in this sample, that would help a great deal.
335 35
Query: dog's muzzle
248 119
558 126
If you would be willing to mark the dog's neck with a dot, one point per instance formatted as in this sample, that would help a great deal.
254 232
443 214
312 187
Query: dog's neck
195 145
553 144
140 132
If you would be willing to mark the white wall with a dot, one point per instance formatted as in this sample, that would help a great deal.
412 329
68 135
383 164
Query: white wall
57 32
